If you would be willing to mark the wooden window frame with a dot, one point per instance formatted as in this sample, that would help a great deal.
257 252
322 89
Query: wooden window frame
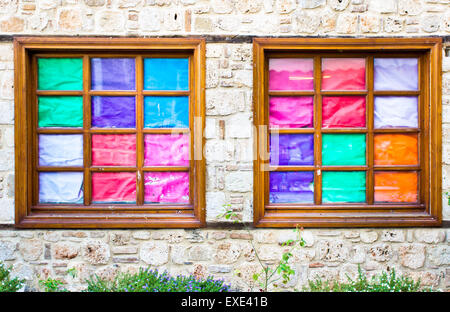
428 210
29 213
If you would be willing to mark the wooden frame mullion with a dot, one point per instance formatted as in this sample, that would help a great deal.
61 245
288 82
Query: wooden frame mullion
317 130
370 134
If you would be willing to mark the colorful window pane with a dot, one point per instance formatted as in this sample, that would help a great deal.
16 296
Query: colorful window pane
113 112
166 150
395 74
343 187
166 112
396 187
292 149
114 187
60 73
166 74
291 74
343 111
396 111
292 187
395 149
114 150
167 187
343 149
343 74
291 112
113 74
60 111
61 187
61 150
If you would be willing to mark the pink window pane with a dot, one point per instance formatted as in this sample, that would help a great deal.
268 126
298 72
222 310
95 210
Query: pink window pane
167 187
291 112
114 150
291 74
343 74
114 187
166 150
343 111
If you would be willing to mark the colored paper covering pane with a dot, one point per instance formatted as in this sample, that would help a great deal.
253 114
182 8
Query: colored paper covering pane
343 186
167 187
61 187
343 74
291 187
166 74
395 149
292 149
113 112
114 150
395 74
113 74
291 112
166 150
396 111
60 111
60 73
61 150
343 149
343 111
396 187
114 187
166 112
291 74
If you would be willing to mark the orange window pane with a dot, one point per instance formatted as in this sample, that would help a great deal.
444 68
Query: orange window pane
396 187
395 149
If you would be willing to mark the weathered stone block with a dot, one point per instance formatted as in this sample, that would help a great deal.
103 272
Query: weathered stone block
30 249
227 253
412 255
381 252
154 253
65 251
332 250
7 250
96 252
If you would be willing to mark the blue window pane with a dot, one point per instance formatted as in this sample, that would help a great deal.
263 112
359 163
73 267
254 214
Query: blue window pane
166 112
166 74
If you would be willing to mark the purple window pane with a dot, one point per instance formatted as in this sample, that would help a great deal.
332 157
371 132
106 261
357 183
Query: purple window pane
291 74
292 149
291 187
113 74
291 112
113 112
396 111
395 74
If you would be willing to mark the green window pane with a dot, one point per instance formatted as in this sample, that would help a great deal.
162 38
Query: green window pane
343 149
60 74
60 111
343 187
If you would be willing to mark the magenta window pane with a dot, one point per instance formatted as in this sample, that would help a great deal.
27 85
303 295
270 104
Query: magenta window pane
113 74
114 150
291 112
113 112
343 74
343 111
167 187
395 74
292 149
114 187
291 74
166 150
291 187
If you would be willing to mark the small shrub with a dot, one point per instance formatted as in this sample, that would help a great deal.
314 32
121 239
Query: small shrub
52 285
147 280
8 284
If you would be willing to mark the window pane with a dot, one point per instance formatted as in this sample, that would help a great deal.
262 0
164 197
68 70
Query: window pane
114 187
114 150
291 74
166 112
166 74
343 149
292 149
167 187
343 111
395 111
113 74
395 74
166 150
343 74
113 112
60 73
61 150
291 187
343 187
395 149
291 112
396 186
61 187
60 111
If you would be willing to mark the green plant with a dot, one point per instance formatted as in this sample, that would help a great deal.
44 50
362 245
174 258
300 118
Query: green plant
386 282
8 284
269 274
52 285
147 280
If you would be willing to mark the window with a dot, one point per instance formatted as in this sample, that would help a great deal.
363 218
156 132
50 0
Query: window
348 132
107 132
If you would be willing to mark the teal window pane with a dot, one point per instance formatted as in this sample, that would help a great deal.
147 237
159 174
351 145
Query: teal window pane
60 74
343 187
166 112
60 111
166 74
344 149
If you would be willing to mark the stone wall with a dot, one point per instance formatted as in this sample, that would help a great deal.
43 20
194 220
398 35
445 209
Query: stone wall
421 253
